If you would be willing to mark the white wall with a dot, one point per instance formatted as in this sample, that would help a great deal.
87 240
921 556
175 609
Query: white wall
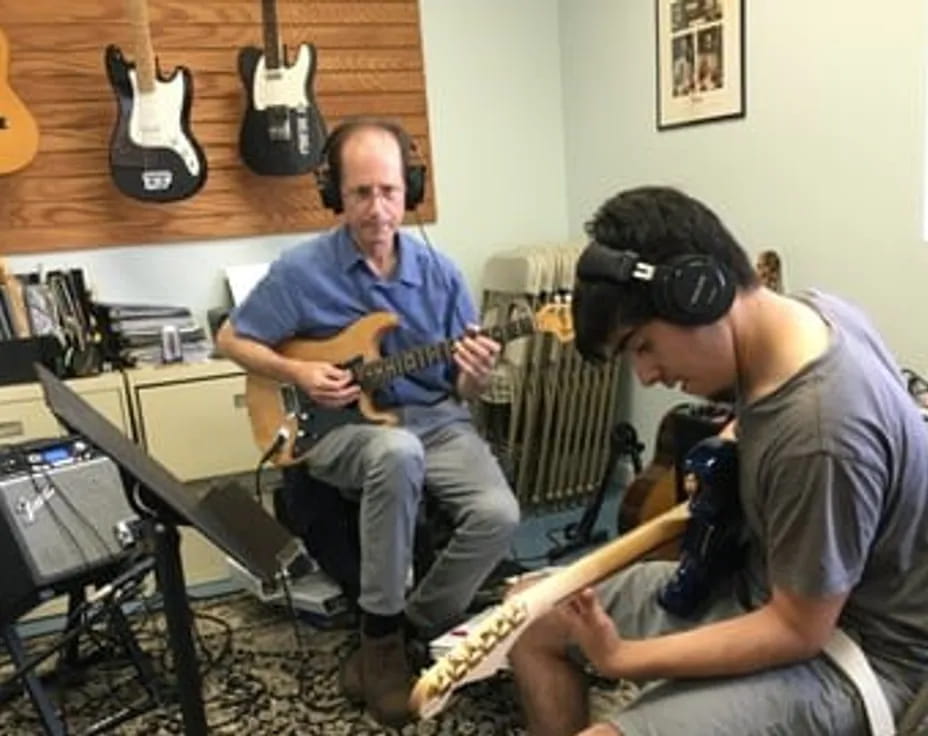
827 166
494 94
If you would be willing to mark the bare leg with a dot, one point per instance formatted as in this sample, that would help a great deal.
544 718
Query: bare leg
552 687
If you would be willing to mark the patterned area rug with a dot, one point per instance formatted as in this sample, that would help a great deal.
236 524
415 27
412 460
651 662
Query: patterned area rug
255 681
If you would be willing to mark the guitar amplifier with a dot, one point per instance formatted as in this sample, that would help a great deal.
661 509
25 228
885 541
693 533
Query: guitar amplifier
64 519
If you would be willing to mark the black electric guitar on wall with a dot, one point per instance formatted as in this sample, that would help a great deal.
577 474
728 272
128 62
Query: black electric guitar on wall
19 135
153 154
283 132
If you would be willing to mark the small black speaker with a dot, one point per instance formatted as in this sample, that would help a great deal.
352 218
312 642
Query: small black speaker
63 518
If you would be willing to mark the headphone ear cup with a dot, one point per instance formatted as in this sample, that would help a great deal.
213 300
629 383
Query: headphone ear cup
415 186
329 192
692 290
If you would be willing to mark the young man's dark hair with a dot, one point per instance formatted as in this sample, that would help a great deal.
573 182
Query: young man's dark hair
658 224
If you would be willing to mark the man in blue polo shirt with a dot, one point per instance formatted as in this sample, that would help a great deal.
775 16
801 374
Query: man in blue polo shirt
315 291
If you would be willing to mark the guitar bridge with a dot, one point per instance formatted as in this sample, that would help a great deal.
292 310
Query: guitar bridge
278 124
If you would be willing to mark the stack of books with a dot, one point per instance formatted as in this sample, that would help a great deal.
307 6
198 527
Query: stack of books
137 331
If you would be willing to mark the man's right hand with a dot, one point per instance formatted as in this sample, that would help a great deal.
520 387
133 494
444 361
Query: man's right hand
326 384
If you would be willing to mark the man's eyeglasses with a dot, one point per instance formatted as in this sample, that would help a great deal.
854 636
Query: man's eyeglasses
367 194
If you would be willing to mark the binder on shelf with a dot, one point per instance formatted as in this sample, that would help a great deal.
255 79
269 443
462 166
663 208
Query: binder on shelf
20 355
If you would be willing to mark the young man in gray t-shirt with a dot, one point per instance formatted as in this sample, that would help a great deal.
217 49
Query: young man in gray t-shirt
833 484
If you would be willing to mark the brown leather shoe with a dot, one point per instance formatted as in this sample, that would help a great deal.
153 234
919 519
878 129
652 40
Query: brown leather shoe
349 678
386 678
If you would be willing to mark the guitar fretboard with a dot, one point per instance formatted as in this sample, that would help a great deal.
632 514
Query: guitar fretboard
271 37
144 53
377 373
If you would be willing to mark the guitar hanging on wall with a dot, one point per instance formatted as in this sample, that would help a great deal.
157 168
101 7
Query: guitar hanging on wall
283 132
19 135
153 154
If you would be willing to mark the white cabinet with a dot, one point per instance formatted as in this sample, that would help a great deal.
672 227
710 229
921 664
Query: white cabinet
24 415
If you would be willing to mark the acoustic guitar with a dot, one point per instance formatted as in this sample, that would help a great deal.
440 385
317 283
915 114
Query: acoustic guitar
153 154
283 132
769 268
278 410
19 134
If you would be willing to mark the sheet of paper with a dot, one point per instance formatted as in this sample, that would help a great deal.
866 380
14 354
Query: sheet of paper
243 278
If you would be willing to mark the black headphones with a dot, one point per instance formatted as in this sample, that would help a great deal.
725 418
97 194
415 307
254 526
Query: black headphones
328 176
690 289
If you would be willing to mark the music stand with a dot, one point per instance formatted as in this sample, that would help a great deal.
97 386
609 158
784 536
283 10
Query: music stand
228 516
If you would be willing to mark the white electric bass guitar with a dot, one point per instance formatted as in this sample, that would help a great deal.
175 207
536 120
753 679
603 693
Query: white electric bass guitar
484 650
153 154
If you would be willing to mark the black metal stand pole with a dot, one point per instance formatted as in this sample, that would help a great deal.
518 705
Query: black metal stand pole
51 724
179 619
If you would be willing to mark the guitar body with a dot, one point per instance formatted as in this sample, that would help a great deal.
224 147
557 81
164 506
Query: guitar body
272 405
153 154
19 134
282 132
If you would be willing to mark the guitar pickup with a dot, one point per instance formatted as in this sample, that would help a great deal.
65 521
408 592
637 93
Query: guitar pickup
290 399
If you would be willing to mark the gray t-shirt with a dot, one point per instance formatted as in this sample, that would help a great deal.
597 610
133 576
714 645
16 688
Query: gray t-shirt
834 487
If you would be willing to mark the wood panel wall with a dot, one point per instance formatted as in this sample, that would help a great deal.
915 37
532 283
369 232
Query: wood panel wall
369 62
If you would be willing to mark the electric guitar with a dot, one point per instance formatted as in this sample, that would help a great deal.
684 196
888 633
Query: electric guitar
153 154
277 410
710 477
282 131
19 135
485 649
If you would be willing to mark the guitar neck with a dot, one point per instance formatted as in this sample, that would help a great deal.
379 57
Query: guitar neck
144 52
380 372
271 35
597 565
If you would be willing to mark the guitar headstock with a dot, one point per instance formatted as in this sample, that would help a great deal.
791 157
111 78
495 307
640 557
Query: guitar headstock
769 268
556 319
475 658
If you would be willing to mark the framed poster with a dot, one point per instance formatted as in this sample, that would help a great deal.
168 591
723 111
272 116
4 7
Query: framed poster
700 61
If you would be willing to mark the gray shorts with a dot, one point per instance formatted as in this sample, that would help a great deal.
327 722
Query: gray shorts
811 698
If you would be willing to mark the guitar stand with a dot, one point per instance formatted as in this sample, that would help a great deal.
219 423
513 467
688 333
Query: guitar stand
623 441
68 645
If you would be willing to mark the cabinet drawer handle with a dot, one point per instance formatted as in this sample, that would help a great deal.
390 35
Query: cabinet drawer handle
238 401
11 429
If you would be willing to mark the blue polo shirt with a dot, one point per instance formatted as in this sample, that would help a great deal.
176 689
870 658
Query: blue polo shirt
318 288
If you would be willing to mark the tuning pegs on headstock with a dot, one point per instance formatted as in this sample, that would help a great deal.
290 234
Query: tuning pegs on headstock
555 317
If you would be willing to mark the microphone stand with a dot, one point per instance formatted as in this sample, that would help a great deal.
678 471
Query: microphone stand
623 440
